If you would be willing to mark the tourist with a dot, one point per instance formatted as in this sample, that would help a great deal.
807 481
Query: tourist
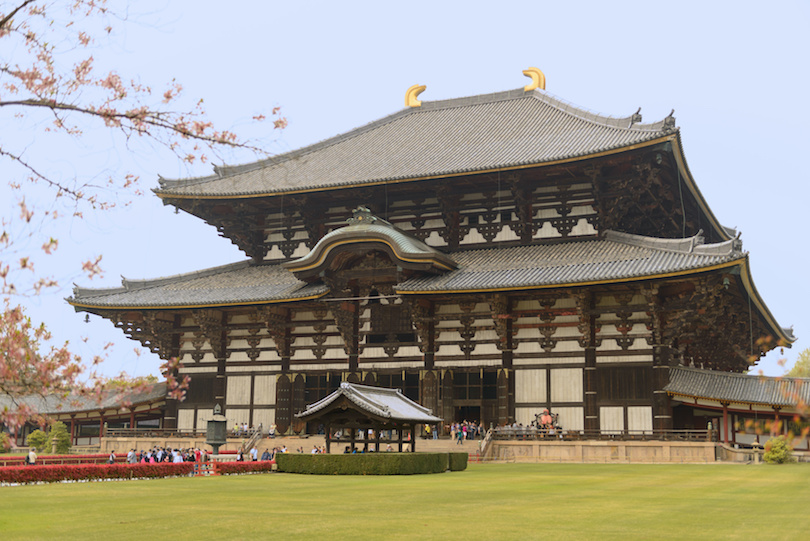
111 460
265 455
239 457
32 457
254 454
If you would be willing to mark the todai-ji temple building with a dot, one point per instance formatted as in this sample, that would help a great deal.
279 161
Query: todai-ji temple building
490 256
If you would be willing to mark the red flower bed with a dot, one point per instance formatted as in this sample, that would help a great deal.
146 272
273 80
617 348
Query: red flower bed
245 467
79 472
66 459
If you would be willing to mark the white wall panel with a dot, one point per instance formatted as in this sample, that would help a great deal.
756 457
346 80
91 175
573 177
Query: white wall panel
264 390
572 418
611 419
640 418
235 416
566 385
185 419
530 386
264 417
238 391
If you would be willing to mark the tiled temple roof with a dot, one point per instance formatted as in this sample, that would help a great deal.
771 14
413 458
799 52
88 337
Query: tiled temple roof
615 257
55 404
234 284
738 388
389 404
464 135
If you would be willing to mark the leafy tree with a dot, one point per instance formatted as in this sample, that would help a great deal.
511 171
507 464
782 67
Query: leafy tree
802 367
60 437
51 85
38 439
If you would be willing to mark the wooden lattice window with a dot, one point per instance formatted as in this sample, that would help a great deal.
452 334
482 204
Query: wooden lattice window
390 323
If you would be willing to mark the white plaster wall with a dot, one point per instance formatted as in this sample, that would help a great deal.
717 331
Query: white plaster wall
566 385
185 419
238 390
530 386
264 417
611 418
571 418
236 416
264 390
640 418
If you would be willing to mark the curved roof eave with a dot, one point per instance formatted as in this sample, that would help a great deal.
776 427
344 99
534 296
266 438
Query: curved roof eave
785 336
691 185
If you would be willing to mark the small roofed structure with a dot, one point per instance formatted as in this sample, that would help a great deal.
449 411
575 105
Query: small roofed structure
360 408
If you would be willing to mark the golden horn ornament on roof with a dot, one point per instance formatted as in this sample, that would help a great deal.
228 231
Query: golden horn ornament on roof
411 95
537 77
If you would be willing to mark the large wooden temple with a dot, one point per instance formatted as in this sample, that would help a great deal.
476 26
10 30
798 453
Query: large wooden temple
490 256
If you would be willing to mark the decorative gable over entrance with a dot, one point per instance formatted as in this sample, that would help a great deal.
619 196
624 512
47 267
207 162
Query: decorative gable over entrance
365 238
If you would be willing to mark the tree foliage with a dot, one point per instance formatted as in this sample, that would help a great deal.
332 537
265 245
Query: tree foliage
802 367
60 438
778 451
38 439
52 86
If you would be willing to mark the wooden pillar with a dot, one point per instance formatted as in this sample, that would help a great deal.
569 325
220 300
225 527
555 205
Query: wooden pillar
591 407
662 407
399 437
377 430
725 422
100 427
503 396
132 419
328 437
72 430
352 437
413 438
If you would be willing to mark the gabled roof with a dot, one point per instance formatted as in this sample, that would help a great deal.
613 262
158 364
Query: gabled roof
738 388
368 230
497 131
387 404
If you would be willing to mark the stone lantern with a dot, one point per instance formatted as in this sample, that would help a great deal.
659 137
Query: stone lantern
217 430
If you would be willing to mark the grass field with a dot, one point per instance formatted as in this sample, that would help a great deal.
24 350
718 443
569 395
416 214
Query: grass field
496 501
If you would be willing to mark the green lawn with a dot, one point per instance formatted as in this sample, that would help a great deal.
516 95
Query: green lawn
496 501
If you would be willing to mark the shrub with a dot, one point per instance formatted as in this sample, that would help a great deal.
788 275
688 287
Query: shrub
91 472
38 439
60 437
5 442
458 461
245 467
778 451
363 464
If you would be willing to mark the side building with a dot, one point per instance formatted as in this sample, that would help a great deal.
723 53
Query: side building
490 256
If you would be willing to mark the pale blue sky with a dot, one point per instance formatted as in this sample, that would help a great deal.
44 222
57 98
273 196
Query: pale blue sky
735 73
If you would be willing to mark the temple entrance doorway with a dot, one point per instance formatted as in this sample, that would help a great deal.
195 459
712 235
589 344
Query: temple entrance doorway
468 413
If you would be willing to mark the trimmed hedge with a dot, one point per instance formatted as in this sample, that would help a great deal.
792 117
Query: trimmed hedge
364 464
92 472
245 467
458 461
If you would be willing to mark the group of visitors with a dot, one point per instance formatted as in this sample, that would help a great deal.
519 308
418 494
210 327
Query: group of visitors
243 430
253 455
466 430
164 454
